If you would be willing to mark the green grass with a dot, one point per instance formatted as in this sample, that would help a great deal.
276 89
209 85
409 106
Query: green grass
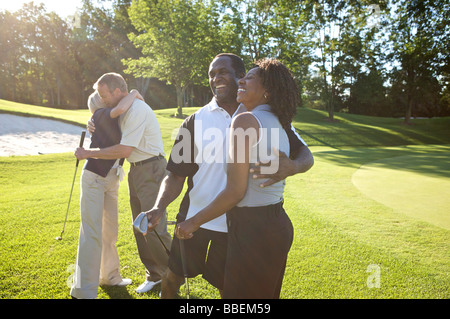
392 181
351 130
77 117
339 230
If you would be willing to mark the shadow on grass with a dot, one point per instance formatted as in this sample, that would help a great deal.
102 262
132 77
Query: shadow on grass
364 131
433 160
115 292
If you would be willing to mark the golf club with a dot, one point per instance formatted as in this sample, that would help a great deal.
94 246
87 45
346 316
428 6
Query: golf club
83 134
141 225
183 264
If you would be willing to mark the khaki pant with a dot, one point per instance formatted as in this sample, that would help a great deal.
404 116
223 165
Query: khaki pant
144 182
97 257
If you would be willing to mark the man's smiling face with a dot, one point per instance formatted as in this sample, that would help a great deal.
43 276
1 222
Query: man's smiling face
223 80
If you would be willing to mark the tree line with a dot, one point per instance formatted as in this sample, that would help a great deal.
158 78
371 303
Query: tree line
372 57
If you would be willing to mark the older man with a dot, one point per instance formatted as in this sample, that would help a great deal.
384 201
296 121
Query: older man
142 145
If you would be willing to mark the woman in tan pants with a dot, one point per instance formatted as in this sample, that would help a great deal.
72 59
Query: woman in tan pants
97 257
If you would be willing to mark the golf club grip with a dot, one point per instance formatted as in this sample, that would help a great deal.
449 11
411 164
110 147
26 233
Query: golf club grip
83 135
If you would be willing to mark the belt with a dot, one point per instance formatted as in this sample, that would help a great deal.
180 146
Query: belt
151 159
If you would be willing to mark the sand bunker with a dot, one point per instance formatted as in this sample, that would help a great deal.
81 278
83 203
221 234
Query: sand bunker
32 136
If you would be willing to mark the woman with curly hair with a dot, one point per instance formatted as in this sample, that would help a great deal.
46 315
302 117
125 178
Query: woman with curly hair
260 233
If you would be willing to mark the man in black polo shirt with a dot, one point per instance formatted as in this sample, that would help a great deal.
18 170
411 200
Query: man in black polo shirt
206 251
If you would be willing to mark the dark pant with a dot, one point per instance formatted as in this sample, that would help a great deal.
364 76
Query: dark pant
259 239
144 181
205 254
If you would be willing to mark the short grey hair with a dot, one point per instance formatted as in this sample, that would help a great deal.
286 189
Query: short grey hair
95 102
113 81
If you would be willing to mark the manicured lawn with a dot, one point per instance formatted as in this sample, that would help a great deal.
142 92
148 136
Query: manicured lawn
351 214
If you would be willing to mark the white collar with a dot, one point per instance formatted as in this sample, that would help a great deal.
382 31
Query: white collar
213 106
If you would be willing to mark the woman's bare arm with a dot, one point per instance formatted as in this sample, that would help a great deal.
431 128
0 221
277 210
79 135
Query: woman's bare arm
237 177
125 103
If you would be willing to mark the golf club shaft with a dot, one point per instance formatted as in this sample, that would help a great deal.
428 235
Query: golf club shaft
68 205
183 264
83 134
165 247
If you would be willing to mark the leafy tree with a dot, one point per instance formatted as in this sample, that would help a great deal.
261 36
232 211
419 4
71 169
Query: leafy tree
55 59
369 95
419 33
31 55
337 50
35 60
10 51
256 18
178 39
291 39
274 28
345 38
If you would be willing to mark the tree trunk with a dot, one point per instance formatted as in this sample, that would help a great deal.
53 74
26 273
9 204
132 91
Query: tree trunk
58 90
409 108
410 87
180 91
331 104
142 84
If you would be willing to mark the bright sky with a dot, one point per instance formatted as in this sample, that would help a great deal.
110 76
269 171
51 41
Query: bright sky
63 8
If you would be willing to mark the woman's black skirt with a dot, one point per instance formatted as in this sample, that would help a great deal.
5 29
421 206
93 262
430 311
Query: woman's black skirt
259 239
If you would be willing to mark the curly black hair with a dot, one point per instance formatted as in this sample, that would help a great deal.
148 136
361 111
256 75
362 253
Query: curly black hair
283 90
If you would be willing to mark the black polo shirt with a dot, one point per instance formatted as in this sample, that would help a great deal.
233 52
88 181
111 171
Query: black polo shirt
107 133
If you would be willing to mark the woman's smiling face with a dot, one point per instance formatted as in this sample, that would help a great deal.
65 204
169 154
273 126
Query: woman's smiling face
251 92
